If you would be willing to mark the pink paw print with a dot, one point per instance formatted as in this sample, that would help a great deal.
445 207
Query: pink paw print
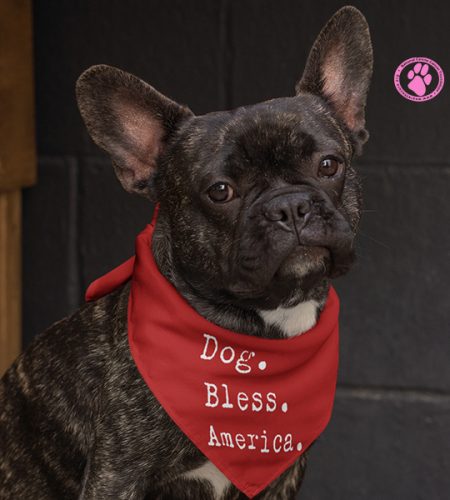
420 79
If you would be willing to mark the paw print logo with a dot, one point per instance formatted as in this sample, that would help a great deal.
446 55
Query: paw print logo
419 79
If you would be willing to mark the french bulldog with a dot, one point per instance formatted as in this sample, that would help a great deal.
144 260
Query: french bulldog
259 208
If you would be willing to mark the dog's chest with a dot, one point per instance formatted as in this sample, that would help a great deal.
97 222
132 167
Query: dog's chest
292 320
209 472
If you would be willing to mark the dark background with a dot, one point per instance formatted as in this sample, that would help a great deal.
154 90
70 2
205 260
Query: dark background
390 433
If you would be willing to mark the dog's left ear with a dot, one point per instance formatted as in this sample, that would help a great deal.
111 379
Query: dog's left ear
339 69
130 120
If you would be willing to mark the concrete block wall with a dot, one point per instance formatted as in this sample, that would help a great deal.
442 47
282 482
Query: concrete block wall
390 433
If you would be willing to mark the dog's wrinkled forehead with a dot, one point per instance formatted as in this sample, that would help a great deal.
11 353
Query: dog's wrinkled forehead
270 137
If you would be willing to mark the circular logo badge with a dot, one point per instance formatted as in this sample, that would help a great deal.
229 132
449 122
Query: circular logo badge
419 79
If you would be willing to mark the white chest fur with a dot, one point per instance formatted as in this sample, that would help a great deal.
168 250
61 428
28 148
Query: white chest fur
209 472
292 320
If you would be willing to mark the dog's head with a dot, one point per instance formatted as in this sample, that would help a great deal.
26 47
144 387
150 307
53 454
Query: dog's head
261 202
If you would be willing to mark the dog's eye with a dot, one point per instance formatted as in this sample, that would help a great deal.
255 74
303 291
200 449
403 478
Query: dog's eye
328 167
221 192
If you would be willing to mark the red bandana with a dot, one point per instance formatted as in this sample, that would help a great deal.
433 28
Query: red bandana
251 405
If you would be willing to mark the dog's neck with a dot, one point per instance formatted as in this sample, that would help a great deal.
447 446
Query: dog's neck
281 322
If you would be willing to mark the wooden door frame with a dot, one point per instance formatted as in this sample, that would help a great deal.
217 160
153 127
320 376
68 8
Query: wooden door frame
17 162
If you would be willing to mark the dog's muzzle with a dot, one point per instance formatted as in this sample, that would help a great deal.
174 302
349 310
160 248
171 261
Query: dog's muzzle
284 219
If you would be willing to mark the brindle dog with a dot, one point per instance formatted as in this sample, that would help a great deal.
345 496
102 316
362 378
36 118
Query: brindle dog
259 207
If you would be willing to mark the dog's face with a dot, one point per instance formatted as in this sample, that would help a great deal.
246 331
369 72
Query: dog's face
262 202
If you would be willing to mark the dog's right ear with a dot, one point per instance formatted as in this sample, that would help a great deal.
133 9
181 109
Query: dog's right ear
339 69
130 120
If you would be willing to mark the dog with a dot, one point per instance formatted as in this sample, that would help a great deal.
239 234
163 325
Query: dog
259 208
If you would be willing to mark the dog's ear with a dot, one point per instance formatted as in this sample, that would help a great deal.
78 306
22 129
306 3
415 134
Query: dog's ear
130 120
339 68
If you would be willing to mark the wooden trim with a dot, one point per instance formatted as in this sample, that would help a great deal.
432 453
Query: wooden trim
10 277
17 162
17 134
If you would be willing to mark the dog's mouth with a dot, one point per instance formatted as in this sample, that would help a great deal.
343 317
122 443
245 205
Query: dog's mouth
303 268
305 258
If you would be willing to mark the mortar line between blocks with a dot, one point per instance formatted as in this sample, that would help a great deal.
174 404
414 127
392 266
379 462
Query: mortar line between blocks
401 394
73 285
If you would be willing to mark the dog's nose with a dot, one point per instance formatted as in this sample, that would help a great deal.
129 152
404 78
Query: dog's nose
288 209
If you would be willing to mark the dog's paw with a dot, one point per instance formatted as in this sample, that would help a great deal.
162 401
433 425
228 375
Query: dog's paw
420 79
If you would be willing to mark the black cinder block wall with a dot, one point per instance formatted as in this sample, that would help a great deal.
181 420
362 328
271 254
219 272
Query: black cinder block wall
389 437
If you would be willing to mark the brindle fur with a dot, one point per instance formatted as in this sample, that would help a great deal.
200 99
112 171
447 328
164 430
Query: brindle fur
76 418
86 425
